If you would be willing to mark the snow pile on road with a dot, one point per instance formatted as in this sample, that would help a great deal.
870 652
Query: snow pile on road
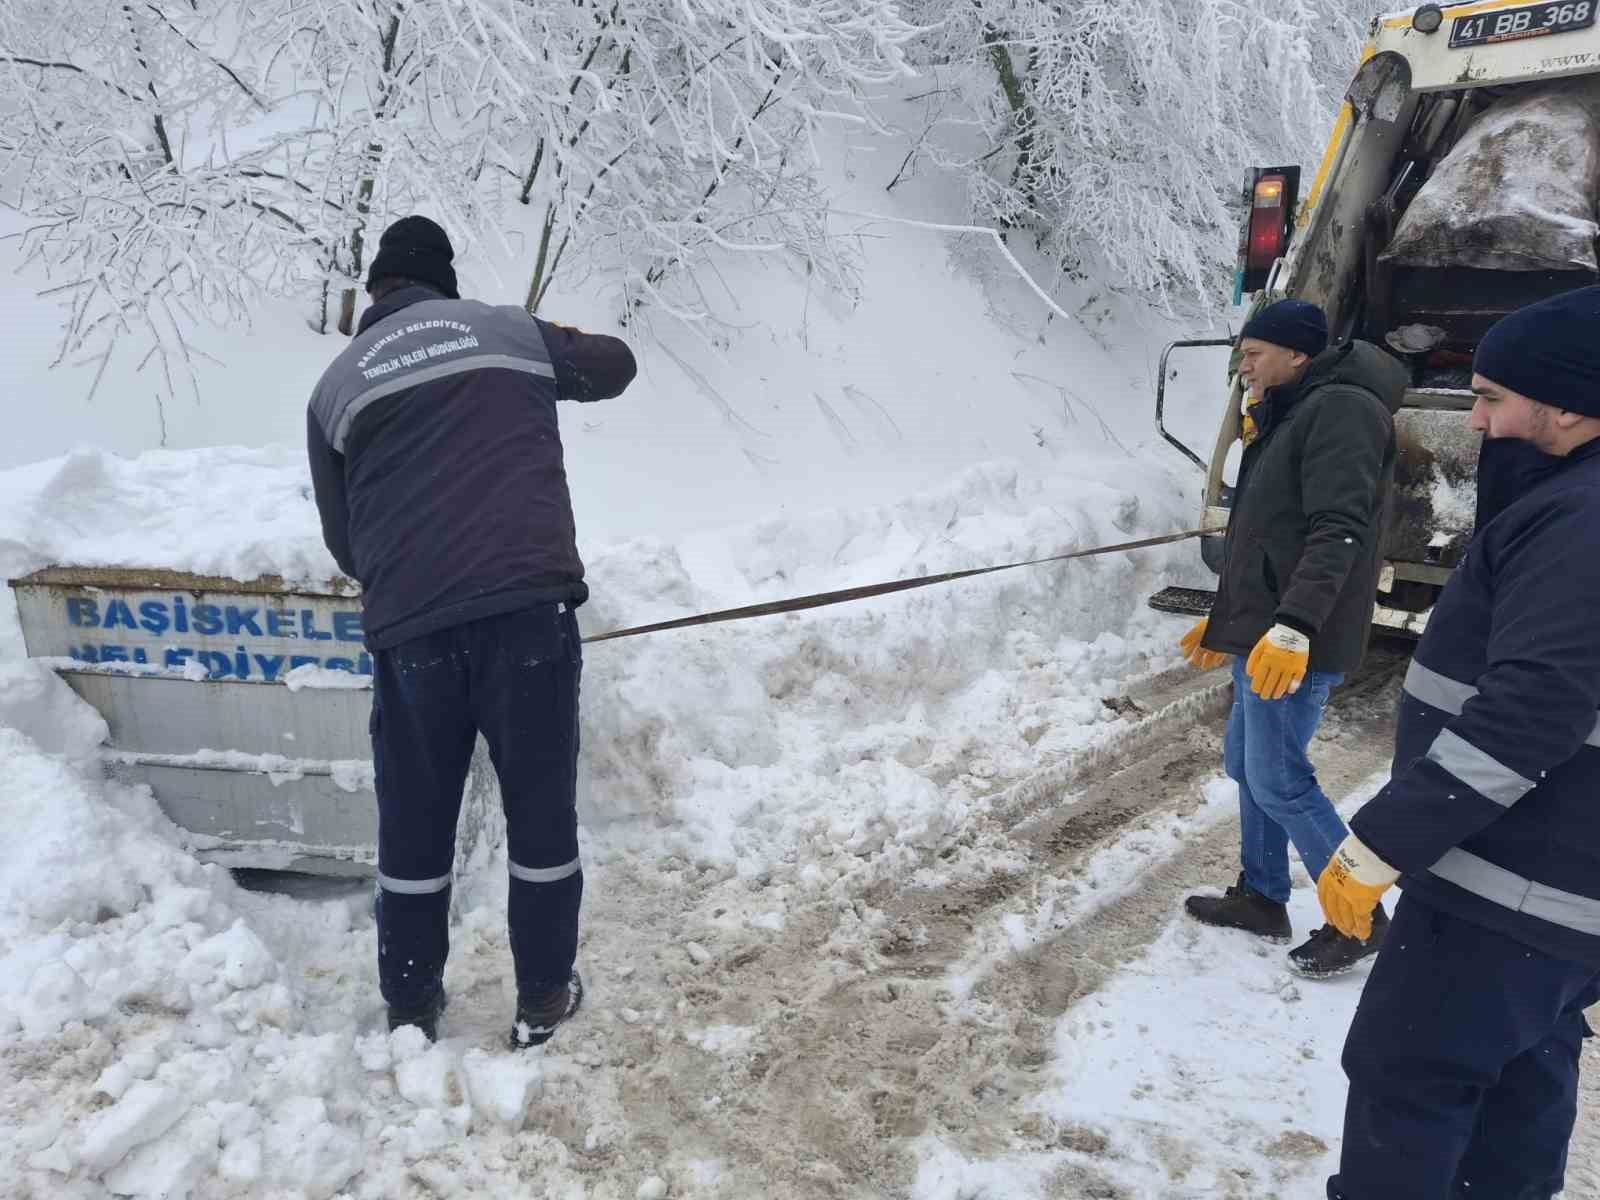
137 1008
164 1033
227 511
865 730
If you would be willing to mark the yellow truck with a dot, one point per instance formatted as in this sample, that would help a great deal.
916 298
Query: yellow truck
1459 183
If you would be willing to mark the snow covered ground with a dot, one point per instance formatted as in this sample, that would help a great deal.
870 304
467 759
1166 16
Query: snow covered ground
824 957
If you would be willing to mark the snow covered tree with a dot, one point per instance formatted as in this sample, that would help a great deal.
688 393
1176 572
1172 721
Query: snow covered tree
110 150
180 158
1116 131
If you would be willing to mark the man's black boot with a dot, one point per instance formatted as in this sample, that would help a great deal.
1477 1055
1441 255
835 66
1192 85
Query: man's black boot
1242 907
539 1014
1327 952
425 1018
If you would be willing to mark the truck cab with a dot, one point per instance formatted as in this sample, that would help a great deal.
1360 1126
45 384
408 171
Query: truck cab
1459 183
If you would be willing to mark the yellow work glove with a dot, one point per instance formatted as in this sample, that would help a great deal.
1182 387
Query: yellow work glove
1351 885
1278 663
1197 654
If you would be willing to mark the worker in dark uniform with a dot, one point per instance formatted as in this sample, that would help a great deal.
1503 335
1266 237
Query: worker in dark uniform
1463 1055
436 457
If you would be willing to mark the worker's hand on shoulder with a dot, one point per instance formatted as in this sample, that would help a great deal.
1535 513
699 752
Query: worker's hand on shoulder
1351 885
1278 663
1197 654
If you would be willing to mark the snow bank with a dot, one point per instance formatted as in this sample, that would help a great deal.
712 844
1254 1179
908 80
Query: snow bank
224 511
866 731
163 1033
869 731
141 1014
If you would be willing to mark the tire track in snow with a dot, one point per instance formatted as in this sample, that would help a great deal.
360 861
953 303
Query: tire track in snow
817 1062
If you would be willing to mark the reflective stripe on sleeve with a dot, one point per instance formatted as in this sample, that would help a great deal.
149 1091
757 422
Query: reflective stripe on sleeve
1440 691
545 874
1481 772
1451 695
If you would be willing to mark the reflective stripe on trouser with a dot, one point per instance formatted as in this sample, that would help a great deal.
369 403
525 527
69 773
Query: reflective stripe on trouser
514 678
545 874
1463 1064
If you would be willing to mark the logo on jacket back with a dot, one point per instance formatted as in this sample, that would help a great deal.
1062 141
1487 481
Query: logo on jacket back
411 358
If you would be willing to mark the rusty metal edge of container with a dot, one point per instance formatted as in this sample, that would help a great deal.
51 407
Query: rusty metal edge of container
162 579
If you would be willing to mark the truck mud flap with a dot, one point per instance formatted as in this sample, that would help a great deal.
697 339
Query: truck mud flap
1188 602
1196 602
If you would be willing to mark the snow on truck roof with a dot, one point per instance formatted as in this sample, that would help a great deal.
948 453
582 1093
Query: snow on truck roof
1492 42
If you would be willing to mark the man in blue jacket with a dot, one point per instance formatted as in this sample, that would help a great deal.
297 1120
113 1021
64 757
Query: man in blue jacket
437 463
1463 1055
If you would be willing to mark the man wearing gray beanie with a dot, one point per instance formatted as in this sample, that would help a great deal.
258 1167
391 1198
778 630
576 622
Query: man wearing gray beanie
1463 1055
1294 603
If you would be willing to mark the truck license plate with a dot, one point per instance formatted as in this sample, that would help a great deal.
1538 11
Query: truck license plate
1529 21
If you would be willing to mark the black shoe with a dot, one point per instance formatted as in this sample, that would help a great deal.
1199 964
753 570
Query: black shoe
1242 907
539 1014
425 1018
1327 952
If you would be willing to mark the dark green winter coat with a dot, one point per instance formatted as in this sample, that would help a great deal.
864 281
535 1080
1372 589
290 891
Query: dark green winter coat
1308 514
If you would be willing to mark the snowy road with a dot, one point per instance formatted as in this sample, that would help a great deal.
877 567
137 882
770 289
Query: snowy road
1017 1012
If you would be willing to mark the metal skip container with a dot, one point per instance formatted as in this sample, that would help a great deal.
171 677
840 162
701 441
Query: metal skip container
244 705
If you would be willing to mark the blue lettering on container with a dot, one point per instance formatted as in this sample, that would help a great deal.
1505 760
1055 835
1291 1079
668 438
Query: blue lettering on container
153 617
207 619
83 612
217 664
347 626
308 626
270 665
303 660
340 664
280 623
242 620
118 613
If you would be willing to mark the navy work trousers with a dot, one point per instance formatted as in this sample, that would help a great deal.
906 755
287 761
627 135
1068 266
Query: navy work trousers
514 678
1463 1065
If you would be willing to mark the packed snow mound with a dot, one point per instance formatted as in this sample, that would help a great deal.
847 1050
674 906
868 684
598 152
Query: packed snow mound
34 702
164 1033
1516 193
870 730
226 511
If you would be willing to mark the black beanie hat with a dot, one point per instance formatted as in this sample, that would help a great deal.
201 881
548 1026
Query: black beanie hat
1293 324
1549 351
416 248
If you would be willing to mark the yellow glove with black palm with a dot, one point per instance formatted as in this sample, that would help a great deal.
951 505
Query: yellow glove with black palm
1197 654
1351 885
1278 663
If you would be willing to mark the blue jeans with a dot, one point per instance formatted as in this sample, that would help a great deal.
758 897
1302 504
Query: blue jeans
1279 798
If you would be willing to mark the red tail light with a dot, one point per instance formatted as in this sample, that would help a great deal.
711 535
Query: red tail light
1269 223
